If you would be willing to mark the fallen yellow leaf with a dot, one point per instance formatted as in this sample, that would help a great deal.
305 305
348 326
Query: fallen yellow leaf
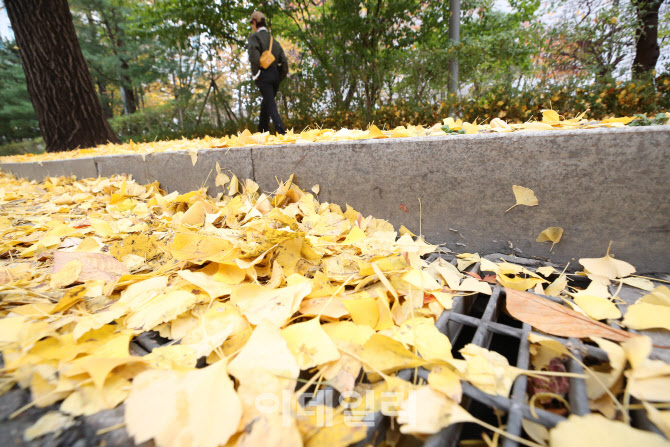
523 196
551 234
594 429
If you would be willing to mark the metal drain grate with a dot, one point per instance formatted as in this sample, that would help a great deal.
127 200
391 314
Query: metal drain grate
458 324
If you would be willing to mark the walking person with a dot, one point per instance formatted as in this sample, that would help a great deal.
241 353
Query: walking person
267 72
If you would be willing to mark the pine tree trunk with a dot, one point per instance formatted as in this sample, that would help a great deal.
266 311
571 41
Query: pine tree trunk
127 83
59 83
646 47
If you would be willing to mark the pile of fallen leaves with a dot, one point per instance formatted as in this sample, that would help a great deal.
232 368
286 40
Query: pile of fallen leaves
551 120
266 296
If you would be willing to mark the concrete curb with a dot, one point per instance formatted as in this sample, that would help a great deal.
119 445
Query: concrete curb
599 185
80 167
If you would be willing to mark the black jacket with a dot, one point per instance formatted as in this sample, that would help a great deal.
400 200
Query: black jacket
259 42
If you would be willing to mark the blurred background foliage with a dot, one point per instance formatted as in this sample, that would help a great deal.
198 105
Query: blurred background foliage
171 68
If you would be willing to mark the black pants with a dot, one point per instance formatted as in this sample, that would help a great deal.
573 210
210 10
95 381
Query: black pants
268 84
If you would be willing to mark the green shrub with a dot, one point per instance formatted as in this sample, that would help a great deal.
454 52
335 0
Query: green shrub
603 99
160 123
35 146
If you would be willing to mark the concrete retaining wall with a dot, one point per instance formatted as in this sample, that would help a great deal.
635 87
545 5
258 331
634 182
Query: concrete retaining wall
599 185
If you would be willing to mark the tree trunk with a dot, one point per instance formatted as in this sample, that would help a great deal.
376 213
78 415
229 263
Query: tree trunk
646 47
127 84
59 83
454 37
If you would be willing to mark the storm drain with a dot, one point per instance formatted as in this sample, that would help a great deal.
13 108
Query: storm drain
481 320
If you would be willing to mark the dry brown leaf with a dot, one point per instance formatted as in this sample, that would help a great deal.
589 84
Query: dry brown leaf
556 319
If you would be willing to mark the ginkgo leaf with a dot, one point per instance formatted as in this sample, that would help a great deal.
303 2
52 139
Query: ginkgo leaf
488 370
221 178
50 422
96 321
219 322
551 234
347 333
544 271
225 273
343 373
145 246
594 429
208 283
326 307
523 196
309 344
471 284
597 383
639 283
597 308
199 407
660 419
99 367
266 349
421 280
447 382
607 266
140 293
259 285
518 282
355 235
651 311
337 433
384 354
537 432
174 357
233 187
195 247
88 399
550 117
557 287
362 310
196 214
259 303
66 275
164 307
421 333
659 295
427 411
270 430
374 132
648 379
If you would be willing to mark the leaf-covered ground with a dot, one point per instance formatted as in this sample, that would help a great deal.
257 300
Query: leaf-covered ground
551 120
265 296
